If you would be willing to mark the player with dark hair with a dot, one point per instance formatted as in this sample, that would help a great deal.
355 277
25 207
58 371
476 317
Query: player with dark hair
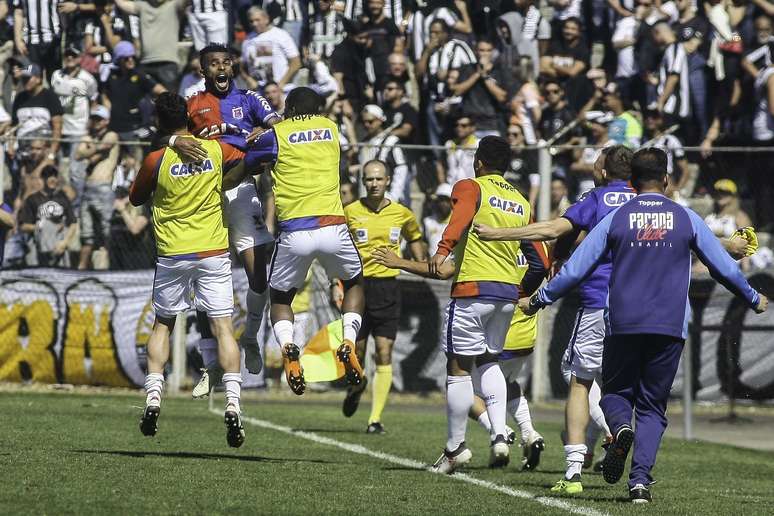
236 116
649 241
192 253
483 294
305 151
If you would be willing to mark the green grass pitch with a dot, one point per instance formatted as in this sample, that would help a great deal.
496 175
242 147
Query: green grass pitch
83 454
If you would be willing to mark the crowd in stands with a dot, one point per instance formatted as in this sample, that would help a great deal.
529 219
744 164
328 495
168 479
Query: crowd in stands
79 77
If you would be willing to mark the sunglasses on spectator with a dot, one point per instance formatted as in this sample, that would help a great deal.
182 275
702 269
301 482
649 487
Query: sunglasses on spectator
554 91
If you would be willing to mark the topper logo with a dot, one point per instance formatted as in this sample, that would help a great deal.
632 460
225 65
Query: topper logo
190 169
310 136
618 198
506 205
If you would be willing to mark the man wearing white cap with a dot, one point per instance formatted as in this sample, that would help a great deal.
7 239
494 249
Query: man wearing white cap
76 89
100 151
382 145
436 222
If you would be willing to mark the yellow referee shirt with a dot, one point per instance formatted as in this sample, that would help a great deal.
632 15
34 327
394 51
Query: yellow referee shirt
385 228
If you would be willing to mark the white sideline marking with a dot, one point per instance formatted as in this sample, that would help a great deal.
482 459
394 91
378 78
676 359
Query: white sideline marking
410 463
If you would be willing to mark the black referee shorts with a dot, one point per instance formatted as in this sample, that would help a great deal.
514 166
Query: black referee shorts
382 308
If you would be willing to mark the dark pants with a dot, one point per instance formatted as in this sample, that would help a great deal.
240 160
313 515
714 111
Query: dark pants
637 375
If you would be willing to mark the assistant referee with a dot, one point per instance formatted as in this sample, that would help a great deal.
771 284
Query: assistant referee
375 221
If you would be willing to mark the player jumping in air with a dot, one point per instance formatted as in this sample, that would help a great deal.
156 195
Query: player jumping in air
305 151
192 253
235 116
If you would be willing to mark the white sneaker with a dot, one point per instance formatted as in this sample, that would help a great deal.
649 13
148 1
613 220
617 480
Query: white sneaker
211 377
449 462
253 359
499 452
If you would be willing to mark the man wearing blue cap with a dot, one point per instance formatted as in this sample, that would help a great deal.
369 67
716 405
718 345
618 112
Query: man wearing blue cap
124 89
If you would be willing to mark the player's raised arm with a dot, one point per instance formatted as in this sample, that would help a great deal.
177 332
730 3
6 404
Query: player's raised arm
538 231
582 262
384 256
237 164
721 266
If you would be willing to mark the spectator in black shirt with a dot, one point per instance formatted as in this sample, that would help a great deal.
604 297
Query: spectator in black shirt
403 118
567 60
37 110
348 63
131 244
124 90
567 55
385 39
557 115
484 88
48 216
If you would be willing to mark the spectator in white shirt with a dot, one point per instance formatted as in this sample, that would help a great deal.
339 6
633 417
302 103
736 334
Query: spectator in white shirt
460 152
76 89
270 54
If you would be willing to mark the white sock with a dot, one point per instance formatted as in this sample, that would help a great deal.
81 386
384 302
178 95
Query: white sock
595 411
283 332
352 322
575 453
495 393
233 385
483 420
209 350
154 385
459 399
256 303
519 409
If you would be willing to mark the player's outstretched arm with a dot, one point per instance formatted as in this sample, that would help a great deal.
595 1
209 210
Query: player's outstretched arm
577 268
538 231
384 256
721 266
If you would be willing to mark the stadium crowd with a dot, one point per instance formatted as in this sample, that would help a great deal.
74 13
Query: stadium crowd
79 78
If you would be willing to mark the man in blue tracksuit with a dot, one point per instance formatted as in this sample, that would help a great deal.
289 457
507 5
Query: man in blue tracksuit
650 239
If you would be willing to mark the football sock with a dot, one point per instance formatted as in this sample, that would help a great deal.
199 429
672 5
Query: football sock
208 347
154 384
351 322
283 332
519 409
255 306
382 384
233 384
495 394
459 399
483 420
575 453
595 411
